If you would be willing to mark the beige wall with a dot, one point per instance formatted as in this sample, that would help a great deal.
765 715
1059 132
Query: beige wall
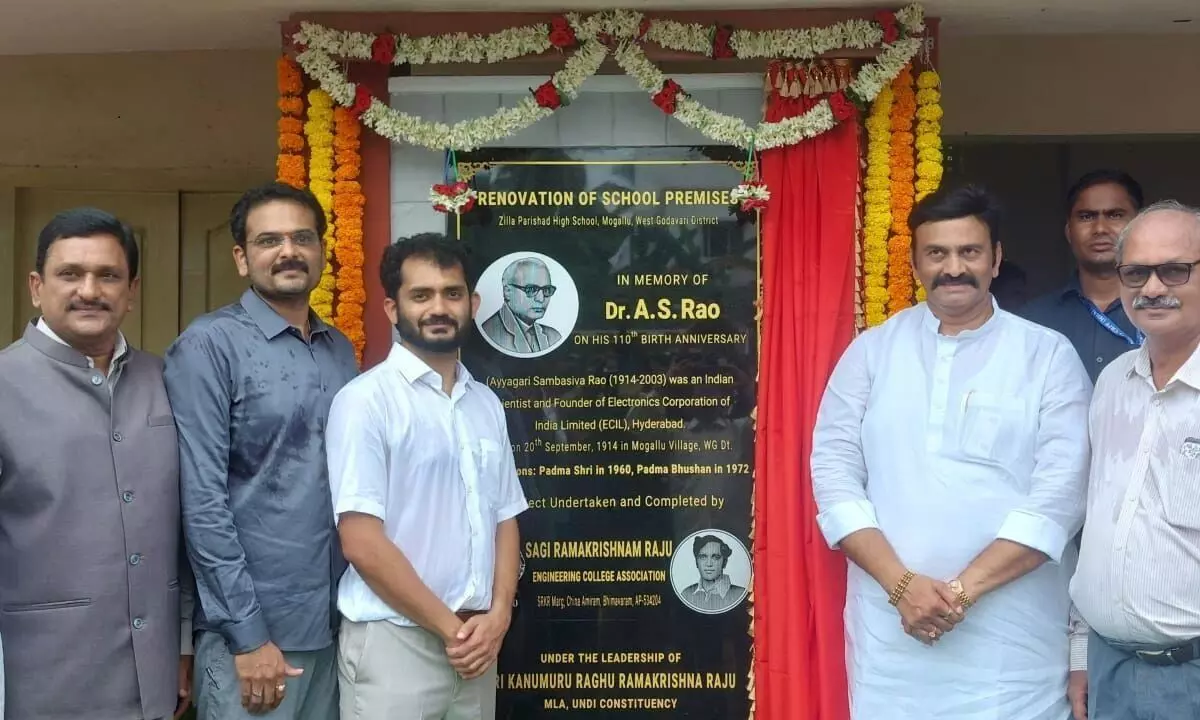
1071 85
188 121
206 120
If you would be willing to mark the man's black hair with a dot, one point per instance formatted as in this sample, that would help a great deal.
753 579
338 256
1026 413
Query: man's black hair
703 540
952 203
1106 176
435 247
86 222
263 194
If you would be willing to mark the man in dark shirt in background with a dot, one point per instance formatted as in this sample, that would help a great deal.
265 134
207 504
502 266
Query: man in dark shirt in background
250 386
1088 308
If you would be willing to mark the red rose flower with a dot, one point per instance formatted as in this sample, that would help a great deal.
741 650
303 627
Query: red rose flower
643 28
841 106
887 20
362 100
753 203
562 35
547 96
383 49
453 189
720 46
667 98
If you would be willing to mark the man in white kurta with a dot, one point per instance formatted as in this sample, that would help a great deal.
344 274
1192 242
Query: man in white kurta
959 442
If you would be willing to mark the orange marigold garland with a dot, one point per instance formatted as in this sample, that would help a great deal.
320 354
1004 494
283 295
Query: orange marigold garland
348 204
877 209
289 164
903 173
319 131
930 162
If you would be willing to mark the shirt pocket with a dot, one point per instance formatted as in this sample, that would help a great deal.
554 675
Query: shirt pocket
1181 494
993 429
488 462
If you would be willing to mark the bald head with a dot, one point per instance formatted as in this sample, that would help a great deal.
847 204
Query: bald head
518 271
1168 218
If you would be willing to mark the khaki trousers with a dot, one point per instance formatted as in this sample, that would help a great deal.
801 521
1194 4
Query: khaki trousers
388 672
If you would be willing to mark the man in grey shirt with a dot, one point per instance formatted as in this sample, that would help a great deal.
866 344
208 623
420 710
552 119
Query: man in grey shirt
250 386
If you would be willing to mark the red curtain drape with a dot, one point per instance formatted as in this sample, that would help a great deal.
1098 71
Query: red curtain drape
808 235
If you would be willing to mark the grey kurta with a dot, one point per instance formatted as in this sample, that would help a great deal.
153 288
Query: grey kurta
89 536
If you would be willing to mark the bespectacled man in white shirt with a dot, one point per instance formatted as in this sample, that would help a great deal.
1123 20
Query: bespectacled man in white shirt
426 496
949 463
1138 581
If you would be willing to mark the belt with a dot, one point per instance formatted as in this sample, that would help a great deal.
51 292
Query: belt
464 615
1178 655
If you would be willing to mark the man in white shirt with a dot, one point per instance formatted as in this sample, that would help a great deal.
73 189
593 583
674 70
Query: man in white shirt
426 495
1138 581
949 463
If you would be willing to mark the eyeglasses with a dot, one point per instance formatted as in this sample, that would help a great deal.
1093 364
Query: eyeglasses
1170 274
300 238
531 291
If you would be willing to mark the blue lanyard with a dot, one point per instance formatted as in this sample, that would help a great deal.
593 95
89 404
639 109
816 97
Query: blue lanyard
1107 323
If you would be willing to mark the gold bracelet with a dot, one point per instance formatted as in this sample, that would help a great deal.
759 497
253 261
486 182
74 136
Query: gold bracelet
964 599
898 591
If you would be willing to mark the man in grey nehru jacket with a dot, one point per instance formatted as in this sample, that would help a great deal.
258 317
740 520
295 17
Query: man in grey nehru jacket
95 599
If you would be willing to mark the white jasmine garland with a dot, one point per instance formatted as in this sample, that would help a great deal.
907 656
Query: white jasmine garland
508 44
750 191
324 45
734 131
465 135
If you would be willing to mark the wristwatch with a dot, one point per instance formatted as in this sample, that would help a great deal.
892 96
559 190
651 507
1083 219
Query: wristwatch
964 599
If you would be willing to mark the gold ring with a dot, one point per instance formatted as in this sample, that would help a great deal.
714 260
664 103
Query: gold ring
280 687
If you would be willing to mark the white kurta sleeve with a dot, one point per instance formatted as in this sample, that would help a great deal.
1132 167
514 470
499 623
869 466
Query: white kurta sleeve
1052 512
839 471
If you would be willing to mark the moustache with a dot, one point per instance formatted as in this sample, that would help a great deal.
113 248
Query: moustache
439 320
290 265
941 280
1157 302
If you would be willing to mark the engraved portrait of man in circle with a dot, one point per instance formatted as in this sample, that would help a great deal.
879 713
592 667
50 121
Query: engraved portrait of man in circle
720 565
528 304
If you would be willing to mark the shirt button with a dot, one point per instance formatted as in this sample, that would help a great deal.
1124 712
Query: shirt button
118 437
97 379
127 496
1099 359
135 559
138 623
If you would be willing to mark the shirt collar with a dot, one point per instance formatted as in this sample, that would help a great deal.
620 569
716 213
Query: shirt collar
1189 374
931 323
1073 289
272 323
120 350
1073 292
413 368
